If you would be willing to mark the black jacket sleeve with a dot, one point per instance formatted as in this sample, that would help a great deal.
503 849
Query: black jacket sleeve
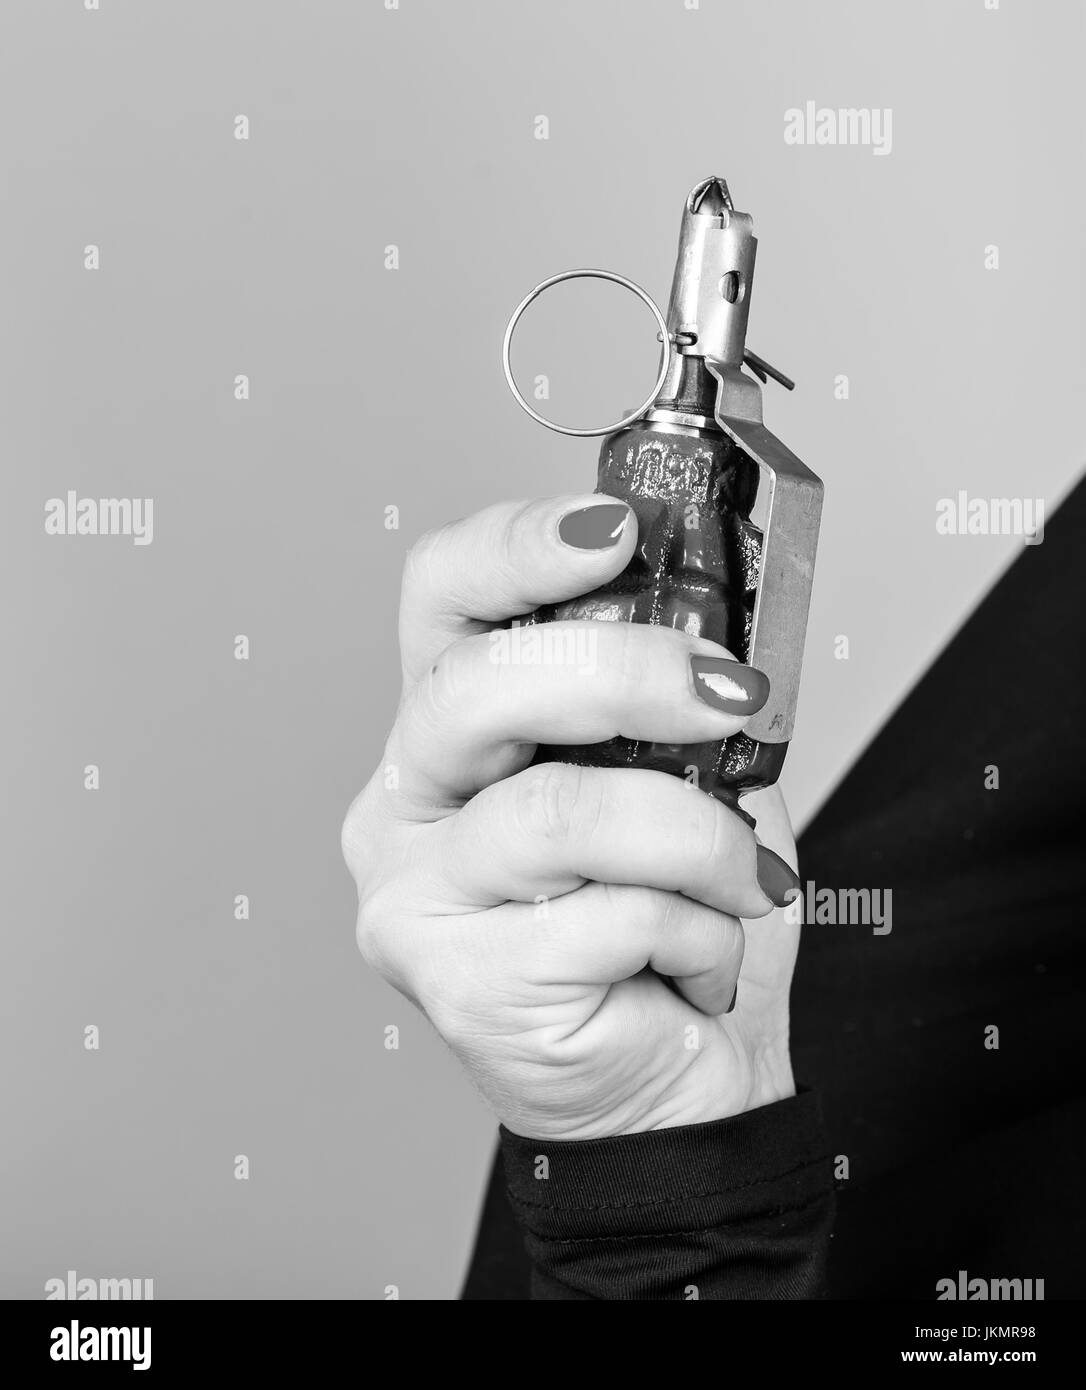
734 1209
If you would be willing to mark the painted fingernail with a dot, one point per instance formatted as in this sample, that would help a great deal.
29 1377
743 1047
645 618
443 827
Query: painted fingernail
594 528
729 685
735 996
776 880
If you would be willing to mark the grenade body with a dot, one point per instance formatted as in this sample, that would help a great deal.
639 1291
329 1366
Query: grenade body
695 568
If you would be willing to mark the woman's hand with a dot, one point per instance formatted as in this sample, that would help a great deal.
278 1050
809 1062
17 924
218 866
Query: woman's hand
532 911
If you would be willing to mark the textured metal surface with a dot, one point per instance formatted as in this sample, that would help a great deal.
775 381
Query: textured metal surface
695 568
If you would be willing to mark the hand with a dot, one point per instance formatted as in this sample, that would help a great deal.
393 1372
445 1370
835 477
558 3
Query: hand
533 912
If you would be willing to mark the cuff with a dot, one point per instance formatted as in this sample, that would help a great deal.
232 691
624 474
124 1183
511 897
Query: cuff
760 1164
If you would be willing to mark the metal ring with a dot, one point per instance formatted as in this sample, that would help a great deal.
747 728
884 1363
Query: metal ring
588 275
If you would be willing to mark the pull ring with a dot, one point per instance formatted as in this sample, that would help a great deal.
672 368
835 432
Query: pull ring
665 357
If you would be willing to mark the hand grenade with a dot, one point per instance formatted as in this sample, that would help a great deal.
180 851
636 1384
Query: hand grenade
695 463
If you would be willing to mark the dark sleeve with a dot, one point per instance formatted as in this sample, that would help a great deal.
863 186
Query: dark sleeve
734 1209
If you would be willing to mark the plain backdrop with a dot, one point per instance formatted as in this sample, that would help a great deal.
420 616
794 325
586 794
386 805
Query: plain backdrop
373 388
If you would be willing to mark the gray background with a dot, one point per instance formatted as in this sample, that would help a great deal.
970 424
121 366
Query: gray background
372 388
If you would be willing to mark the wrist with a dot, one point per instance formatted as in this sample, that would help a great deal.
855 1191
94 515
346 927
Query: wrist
758 1077
772 1078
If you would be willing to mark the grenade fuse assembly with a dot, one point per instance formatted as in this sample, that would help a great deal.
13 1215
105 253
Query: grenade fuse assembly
692 463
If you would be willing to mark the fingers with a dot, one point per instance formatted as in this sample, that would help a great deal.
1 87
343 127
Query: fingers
616 931
547 830
699 949
479 712
605 933
504 562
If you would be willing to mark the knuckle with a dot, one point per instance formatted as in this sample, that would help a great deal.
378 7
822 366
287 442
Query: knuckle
629 652
421 558
673 911
371 857
376 931
426 571
515 539
367 930
547 800
589 806
718 941
440 567
444 692
735 944
356 836
712 941
452 676
707 831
